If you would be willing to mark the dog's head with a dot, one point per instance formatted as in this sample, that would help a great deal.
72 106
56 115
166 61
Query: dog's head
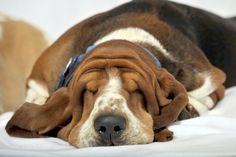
117 96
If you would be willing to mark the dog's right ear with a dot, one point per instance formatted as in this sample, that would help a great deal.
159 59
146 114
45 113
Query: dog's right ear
32 120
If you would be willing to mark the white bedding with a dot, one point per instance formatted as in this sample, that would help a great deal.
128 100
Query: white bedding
213 134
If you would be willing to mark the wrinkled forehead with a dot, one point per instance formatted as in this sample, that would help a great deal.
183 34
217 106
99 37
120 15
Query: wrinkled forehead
111 78
117 53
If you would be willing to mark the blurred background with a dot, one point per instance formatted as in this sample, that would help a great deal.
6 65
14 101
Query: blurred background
54 17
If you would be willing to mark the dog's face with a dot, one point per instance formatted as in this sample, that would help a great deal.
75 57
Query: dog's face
114 111
117 96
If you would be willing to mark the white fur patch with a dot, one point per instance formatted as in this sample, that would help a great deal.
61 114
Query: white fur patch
208 102
206 89
36 93
199 98
198 105
136 35
111 100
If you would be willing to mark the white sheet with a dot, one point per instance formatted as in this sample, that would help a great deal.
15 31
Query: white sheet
213 134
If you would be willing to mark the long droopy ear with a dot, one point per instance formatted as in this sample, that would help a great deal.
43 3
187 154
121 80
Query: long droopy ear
165 97
172 98
32 120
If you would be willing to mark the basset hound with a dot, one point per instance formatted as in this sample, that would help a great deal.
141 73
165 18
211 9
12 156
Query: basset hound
122 76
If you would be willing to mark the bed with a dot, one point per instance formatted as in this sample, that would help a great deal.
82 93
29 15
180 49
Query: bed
213 134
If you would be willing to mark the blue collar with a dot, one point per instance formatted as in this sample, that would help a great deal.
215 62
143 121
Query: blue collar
67 74
156 60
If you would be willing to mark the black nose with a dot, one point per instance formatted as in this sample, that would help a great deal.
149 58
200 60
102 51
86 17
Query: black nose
109 126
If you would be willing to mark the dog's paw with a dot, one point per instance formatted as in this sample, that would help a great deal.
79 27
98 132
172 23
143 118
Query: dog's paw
163 135
188 112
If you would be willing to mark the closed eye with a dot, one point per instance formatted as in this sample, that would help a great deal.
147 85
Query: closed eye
93 91
92 86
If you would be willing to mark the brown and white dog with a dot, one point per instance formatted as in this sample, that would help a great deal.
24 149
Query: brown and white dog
118 93
20 46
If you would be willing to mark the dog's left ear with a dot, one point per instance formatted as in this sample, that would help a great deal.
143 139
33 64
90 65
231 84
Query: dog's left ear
171 96
165 96
165 99
32 120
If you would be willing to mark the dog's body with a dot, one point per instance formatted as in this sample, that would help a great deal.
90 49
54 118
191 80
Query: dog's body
20 45
119 76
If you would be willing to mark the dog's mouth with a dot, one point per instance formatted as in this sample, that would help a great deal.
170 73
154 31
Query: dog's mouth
110 142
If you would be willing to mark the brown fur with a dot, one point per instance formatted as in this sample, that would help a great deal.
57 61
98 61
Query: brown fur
20 46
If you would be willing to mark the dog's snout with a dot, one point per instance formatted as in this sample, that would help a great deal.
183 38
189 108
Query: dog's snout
110 127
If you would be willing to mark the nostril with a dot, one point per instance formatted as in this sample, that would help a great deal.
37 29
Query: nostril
117 129
102 130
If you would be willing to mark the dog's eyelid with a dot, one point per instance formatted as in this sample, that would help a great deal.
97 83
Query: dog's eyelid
92 89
